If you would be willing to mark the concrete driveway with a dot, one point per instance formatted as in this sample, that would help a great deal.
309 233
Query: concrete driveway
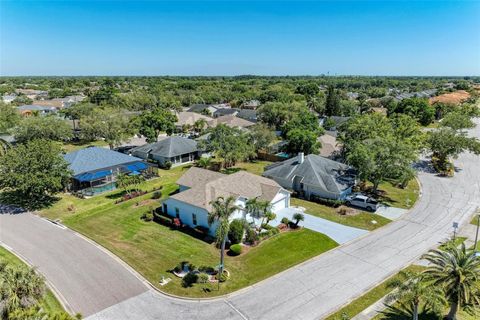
310 290
338 232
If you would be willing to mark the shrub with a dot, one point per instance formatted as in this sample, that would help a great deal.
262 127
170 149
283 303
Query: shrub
251 236
285 220
267 226
327 202
167 165
236 249
189 279
178 267
237 227
203 278
298 217
147 216
206 269
273 231
157 195
201 229
163 220
221 277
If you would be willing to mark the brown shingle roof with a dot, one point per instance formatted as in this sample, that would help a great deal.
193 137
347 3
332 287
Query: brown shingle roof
232 121
206 186
190 118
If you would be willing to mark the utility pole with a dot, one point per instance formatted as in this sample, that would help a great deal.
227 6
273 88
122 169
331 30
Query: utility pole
476 234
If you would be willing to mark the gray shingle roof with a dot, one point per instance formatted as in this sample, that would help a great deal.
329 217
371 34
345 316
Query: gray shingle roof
95 158
317 171
169 147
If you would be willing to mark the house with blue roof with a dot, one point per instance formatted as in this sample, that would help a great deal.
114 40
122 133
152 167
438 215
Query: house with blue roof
95 169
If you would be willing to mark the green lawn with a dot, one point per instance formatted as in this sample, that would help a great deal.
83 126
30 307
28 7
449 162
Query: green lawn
367 299
153 249
398 197
74 146
362 220
255 167
49 302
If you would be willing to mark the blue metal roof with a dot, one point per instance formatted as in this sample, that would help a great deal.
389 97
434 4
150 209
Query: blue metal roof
95 159
91 176
137 166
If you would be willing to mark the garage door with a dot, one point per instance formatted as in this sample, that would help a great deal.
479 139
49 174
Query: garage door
280 204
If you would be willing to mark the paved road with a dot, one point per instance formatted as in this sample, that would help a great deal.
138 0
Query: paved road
88 278
338 232
309 291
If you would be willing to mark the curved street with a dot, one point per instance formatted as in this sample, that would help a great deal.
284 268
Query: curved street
100 287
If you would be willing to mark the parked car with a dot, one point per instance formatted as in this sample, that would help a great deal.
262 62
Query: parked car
362 201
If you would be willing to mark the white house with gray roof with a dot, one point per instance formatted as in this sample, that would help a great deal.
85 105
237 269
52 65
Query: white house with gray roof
199 187
176 150
313 175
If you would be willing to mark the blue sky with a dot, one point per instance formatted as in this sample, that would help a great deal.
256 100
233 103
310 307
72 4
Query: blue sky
231 38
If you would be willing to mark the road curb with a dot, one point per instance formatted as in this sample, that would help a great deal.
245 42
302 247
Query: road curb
63 302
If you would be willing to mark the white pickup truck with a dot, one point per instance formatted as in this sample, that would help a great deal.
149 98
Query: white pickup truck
362 201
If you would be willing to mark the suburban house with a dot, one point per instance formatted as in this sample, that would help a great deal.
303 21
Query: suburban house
28 110
33 94
251 104
248 114
225 112
232 121
8 98
189 118
199 187
176 150
95 169
313 175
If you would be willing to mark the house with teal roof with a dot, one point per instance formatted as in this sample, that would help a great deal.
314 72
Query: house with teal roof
95 169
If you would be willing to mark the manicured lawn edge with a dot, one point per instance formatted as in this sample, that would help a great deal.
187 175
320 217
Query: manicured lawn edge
53 301
364 301
148 283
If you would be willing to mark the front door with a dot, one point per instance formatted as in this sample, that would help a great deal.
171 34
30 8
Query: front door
165 208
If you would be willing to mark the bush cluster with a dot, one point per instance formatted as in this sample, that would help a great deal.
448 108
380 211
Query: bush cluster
203 277
236 249
189 279
251 236
147 216
237 228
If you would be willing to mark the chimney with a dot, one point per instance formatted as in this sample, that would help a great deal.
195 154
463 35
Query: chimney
301 157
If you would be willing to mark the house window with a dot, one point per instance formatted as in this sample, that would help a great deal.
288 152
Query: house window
301 186
177 213
194 219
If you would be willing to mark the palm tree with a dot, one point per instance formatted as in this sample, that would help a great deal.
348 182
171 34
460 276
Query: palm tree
199 125
412 289
124 181
254 208
20 288
204 162
457 272
298 217
264 208
222 210
270 216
